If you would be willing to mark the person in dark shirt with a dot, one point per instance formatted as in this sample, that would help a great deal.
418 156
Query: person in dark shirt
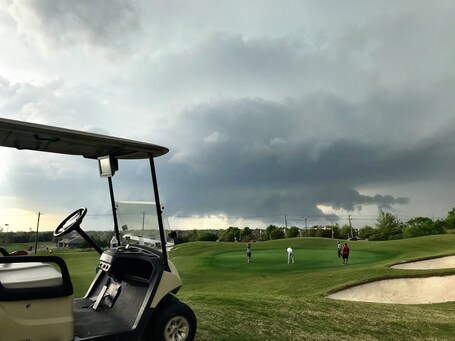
248 252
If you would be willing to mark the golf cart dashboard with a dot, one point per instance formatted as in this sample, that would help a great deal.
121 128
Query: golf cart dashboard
132 264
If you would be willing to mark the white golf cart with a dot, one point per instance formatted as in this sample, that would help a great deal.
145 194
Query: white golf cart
132 294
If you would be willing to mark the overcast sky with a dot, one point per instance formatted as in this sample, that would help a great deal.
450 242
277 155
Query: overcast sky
316 109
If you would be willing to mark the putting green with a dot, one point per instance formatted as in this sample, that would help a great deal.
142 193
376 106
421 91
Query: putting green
276 259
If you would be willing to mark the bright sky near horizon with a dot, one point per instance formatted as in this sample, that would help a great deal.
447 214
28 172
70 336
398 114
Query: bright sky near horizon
309 110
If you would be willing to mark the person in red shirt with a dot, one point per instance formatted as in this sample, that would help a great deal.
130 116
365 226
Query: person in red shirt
345 254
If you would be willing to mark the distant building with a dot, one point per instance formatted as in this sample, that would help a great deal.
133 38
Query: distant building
72 242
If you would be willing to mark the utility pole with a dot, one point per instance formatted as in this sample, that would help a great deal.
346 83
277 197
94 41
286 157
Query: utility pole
350 226
37 227
285 225
331 227
7 227
306 219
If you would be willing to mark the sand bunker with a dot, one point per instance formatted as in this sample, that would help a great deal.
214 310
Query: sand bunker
422 290
435 263
426 290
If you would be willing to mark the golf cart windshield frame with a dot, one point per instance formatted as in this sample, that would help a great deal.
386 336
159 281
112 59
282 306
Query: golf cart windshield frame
43 138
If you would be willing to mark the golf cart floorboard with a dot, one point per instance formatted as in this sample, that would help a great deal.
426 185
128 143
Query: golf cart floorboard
89 322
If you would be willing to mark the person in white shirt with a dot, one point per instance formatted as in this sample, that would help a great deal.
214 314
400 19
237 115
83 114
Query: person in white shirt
290 255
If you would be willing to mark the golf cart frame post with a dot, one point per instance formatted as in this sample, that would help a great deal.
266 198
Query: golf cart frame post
114 210
158 212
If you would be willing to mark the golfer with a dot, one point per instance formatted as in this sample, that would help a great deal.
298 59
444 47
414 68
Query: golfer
290 255
345 254
339 249
248 252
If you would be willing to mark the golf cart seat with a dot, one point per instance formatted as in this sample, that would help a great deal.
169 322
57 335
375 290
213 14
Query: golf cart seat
35 299
29 275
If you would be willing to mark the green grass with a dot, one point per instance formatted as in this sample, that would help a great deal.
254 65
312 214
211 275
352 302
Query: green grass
271 300
82 268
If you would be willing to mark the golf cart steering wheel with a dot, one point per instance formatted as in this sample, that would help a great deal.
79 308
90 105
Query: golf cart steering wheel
70 223
4 252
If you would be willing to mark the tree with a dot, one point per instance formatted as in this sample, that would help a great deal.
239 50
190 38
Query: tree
422 226
416 227
293 232
366 232
246 234
193 237
450 219
345 231
388 227
439 226
231 234
207 236
181 240
268 231
336 231
277 234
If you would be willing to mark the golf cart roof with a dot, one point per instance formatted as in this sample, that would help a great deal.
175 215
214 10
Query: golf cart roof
32 136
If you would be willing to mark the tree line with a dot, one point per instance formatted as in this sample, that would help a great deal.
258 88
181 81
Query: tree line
387 227
102 238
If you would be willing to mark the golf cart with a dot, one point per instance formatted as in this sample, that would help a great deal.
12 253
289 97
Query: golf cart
132 294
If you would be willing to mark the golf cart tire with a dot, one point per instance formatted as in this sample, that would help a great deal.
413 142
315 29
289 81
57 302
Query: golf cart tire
175 321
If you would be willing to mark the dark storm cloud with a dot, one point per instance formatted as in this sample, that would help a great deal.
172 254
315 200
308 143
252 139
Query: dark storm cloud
230 65
251 155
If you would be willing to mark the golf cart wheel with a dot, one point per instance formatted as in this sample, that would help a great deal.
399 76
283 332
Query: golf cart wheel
175 322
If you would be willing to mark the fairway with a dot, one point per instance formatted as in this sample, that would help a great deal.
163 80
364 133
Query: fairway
271 300
268 299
